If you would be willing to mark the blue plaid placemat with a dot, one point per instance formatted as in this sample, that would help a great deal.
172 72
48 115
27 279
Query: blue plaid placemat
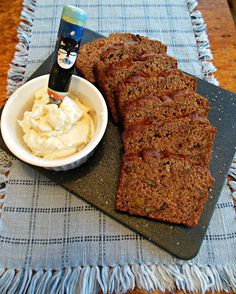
53 242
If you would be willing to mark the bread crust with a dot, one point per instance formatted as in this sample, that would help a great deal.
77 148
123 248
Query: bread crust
168 83
191 136
152 108
128 58
89 53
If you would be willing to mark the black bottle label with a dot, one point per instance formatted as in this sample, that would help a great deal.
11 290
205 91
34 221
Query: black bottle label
69 38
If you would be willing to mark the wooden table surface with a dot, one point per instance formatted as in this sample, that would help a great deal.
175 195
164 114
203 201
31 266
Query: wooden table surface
220 27
222 35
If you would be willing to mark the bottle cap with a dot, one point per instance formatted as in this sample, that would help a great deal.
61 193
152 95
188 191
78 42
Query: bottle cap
74 15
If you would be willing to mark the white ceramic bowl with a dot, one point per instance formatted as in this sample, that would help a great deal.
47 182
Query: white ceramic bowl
22 100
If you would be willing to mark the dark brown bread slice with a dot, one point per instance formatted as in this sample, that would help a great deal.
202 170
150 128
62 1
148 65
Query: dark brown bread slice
89 53
163 187
122 50
153 108
109 75
166 84
190 136
126 51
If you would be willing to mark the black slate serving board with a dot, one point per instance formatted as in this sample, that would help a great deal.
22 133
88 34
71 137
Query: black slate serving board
96 181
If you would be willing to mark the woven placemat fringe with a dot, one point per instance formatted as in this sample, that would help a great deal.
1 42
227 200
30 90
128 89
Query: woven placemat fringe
203 44
16 73
5 166
120 279
232 182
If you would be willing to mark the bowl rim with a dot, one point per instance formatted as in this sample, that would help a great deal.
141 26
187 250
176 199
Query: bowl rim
51 163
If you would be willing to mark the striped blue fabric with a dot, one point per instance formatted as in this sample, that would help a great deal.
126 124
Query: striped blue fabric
57 241
168 21
52 228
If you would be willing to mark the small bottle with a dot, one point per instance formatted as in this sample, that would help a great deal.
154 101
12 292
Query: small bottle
69 36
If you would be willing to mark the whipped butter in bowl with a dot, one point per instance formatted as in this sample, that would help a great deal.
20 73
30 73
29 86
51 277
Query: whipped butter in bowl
55 131
51 136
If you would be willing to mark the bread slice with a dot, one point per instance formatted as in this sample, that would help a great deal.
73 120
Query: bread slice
151 108
165 84
89 53
190 136
163 187
122 50
109 74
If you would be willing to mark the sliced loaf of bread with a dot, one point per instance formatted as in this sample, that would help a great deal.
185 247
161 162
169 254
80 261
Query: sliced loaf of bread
189 136
163 187
89 53
151 108
109 74
165 84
